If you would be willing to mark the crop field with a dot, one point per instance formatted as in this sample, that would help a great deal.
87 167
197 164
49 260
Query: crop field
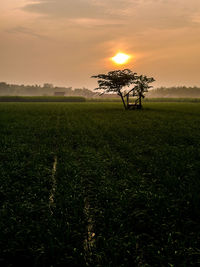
42 99
89 184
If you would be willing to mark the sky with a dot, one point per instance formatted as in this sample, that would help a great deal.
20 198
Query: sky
64 42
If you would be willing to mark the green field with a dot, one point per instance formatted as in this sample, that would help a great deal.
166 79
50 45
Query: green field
42 99
89 184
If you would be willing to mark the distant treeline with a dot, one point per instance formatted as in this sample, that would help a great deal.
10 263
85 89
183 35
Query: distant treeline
175 92
45 90
50 90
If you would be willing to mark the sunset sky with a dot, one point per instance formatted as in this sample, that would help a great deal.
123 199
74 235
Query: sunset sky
64 42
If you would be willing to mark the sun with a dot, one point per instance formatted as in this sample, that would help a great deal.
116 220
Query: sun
120 58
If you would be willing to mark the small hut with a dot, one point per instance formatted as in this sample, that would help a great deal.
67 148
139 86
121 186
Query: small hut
136 104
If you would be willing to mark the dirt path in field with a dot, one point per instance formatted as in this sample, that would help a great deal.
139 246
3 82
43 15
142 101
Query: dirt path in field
90 240
54 184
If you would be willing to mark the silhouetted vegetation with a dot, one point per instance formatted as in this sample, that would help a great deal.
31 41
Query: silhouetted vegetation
141 87
115 81
49 89
46 90
182 91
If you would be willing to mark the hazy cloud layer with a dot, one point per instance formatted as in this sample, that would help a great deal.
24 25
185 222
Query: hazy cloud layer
161 13
53 40
78 8
25 31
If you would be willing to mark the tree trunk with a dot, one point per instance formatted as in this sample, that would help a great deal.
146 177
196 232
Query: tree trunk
127 101
120 94
140 101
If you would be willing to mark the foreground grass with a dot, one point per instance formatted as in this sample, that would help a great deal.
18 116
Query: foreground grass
139 171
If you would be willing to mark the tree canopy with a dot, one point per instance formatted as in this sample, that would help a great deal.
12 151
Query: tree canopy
142 85
115 80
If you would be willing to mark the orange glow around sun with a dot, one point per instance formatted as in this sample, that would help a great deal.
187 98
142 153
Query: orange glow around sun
120 58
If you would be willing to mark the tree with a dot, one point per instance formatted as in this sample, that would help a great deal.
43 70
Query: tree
141 87
48 85
115 80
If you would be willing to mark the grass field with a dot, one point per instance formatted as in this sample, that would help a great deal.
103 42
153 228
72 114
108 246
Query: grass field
89 184
42 99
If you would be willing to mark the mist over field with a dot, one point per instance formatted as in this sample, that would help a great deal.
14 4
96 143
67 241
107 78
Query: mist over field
174 92
49 89
45 90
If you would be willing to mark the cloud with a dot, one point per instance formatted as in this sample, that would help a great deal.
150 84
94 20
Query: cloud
25 31
196 18
84 34
138 14
77 8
